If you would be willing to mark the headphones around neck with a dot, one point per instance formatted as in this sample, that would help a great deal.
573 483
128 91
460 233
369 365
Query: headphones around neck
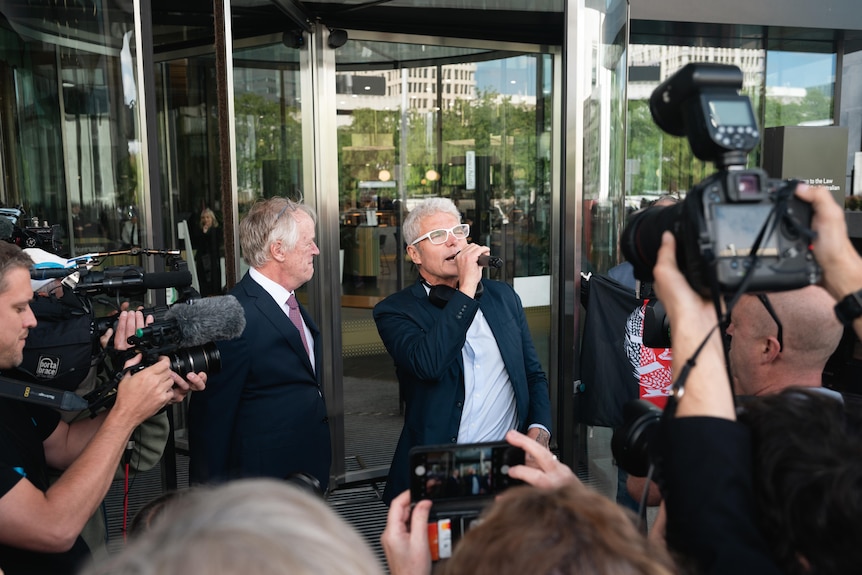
439 295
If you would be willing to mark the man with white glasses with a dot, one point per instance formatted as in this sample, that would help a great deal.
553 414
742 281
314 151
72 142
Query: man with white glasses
463 353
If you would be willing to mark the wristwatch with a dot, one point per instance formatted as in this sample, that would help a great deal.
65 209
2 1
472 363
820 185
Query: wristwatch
849 308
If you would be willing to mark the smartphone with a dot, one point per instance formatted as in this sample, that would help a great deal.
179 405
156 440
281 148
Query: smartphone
458 472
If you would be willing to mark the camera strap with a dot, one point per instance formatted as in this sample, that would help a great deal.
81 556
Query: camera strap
678 388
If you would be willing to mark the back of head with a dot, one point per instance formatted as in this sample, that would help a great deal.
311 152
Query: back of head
267 221
11 257
254 526
807 467
568 530
411 227
812 332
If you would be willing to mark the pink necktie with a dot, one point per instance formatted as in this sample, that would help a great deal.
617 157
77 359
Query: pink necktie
296 318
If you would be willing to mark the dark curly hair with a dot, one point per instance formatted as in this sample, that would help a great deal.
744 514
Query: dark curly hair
807 467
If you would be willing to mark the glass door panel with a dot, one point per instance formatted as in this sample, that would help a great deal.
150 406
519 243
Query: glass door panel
418 121
268 144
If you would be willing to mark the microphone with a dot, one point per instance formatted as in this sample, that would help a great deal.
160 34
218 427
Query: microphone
132 279
490 262
164 280
207 319
50 273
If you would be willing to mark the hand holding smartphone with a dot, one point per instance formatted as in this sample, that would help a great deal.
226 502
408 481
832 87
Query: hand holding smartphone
460 479
458 472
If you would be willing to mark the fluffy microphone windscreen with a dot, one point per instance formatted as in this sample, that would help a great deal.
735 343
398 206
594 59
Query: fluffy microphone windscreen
208 319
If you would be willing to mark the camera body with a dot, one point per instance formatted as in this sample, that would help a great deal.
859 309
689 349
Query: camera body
727 215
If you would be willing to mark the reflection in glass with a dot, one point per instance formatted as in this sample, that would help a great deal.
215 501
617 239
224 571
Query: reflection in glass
71 149
604 137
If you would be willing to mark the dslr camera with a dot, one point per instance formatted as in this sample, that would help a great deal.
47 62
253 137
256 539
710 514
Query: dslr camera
737 230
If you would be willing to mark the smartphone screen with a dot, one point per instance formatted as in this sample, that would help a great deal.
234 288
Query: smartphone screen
462 471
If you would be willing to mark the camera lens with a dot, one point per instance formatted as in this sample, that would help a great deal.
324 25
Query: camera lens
641 237
205 358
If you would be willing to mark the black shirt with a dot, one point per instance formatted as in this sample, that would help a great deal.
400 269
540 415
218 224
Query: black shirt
23 428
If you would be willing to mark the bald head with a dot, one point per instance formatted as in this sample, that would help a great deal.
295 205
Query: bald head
810 334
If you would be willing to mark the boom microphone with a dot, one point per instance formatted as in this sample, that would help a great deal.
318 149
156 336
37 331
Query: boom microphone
132 279
207 319
490 262
164 280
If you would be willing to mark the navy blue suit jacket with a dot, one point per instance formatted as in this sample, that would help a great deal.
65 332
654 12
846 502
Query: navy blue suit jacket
425 341
263 415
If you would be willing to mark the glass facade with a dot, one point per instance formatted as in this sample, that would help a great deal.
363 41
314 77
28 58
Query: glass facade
790 74
391 118
71 136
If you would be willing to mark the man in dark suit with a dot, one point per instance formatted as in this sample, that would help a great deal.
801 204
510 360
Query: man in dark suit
462 348
264 414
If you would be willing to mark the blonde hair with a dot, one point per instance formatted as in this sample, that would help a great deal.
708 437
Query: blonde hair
249 526
211 214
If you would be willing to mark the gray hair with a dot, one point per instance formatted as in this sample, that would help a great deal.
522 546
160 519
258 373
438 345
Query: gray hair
259 526
11 257
269 221
412 223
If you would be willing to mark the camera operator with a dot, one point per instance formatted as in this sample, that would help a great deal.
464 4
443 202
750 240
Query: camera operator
712 466
40 525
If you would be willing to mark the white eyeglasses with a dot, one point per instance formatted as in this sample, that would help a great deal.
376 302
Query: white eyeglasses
437 237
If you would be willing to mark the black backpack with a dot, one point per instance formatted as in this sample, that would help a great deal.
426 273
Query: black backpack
63 347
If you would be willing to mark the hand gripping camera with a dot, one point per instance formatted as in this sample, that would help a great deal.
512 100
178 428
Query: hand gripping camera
737 230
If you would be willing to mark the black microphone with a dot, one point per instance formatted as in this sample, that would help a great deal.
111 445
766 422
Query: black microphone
207 319
132 279
164 280
50 273
490 262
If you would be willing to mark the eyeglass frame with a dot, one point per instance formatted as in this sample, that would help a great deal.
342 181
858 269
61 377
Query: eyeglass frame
771 311
427 236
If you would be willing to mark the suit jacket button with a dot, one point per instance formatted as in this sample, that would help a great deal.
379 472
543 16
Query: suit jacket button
325 420
453 440
459 404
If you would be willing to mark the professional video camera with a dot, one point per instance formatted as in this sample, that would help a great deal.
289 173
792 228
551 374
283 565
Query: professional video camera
186 333
63 349
737 230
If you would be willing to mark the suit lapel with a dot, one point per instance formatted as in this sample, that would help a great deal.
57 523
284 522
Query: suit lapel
277 317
